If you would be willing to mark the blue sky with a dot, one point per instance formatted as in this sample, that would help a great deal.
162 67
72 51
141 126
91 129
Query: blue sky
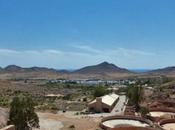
75 33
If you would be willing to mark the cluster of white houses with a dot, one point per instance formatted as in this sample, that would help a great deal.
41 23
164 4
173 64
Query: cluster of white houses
103 104
89 81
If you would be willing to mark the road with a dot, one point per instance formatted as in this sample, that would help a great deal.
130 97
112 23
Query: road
119 107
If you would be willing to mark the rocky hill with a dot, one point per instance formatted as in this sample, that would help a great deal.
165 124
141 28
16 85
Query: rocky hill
102 68
164 71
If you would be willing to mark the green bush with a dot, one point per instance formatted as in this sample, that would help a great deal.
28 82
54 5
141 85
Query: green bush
22 114
144 111
100 91
71 126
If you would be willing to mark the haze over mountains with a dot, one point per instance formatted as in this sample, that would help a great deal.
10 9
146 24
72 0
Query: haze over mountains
103 70
164 71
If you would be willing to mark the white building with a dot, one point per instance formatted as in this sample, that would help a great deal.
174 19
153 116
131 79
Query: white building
103 104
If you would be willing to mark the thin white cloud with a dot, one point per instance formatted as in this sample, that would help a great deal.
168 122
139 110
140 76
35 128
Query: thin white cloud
87 48
51 51
85 55
8 51
125 51
138 52
33 52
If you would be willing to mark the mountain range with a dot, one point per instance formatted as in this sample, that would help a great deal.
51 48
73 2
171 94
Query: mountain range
14 68
103 70
164 71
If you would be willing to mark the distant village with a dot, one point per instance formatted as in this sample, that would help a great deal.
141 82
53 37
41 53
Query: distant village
94 81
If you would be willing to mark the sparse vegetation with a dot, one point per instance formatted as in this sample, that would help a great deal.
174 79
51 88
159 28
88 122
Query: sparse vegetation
100 91
135 95
22 114
144 111
72 127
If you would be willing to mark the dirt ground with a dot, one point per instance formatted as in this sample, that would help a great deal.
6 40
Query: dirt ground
3 117
67 121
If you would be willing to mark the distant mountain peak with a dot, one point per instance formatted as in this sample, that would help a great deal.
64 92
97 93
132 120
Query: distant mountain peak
13 68
102 68
104 63
165 71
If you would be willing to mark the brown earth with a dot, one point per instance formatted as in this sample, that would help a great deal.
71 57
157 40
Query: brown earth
80 123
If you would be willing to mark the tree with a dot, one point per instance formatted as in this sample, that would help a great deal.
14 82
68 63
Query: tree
99 91
22 114
135 95
144 111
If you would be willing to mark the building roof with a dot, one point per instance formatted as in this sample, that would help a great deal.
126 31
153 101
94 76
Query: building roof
107 99
54 95
115 96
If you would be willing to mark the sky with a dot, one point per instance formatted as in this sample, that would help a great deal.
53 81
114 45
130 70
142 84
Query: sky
70 34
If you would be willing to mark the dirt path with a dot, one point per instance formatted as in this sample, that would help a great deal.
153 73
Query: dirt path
49 121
